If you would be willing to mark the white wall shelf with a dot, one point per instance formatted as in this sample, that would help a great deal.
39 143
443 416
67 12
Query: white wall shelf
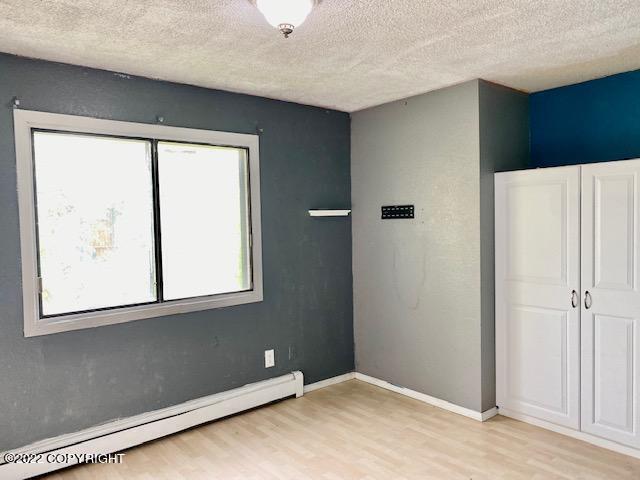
329 213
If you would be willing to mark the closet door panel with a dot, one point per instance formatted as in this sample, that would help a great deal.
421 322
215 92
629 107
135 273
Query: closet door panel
537 268
611 308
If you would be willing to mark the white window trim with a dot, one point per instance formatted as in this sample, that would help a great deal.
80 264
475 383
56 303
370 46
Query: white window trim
24 122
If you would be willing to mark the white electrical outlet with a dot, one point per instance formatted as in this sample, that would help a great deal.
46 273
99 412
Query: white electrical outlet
269 359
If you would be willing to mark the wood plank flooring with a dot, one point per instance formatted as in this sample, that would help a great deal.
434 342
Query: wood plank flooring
358 431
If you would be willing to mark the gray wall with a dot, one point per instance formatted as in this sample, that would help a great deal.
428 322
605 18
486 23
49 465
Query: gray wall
61 383
504 145
416 282
422 315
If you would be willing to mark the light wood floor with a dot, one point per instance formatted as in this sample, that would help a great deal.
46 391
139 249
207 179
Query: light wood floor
357 431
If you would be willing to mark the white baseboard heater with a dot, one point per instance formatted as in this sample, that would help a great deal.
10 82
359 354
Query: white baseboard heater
122 434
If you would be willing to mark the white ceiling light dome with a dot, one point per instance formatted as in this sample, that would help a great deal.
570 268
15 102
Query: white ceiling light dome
285 15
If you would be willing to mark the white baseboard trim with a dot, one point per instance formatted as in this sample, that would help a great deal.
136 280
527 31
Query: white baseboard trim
122 434
487 414
436 402
329 381
585 437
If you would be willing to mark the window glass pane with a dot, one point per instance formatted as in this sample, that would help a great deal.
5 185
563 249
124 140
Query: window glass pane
204 220
95 221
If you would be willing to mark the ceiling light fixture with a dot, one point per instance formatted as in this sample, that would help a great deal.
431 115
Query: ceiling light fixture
285 15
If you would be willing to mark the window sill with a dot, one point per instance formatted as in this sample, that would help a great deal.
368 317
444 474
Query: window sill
81 321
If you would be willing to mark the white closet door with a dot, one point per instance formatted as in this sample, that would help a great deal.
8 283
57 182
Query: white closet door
610 316
537 270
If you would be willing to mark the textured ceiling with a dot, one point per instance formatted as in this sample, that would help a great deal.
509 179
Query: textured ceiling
348 55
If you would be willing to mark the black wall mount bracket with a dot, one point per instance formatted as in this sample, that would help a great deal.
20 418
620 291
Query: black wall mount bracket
397 212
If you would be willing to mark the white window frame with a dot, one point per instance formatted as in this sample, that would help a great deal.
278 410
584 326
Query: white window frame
24 122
